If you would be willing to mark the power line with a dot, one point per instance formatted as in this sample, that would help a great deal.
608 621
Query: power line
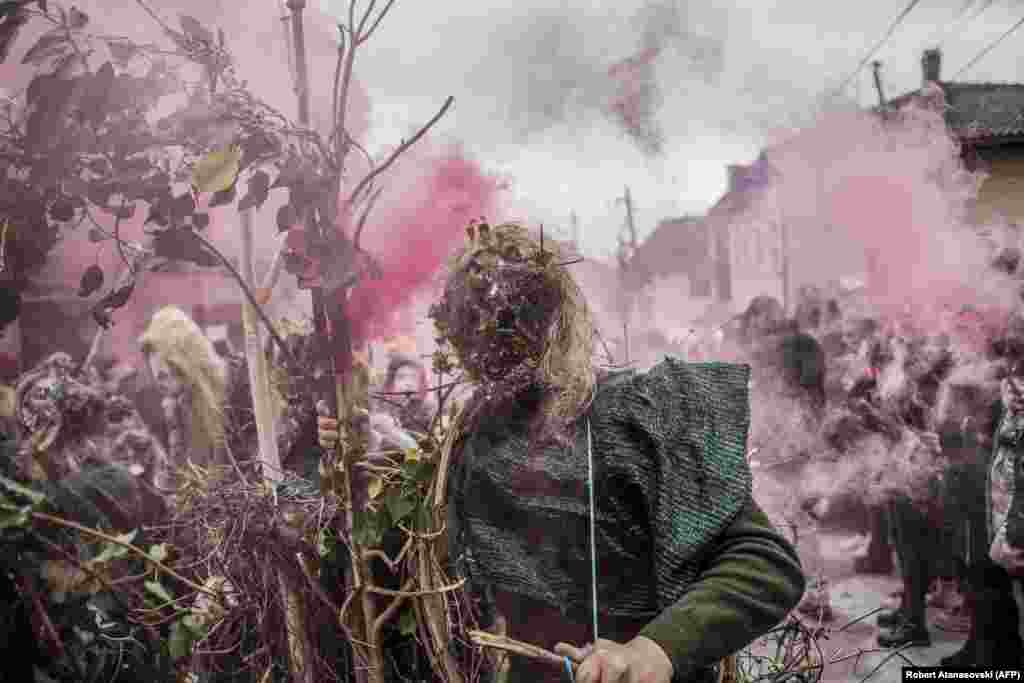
888 34
992 46
960 23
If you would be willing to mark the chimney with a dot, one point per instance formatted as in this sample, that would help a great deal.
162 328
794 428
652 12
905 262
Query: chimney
931 66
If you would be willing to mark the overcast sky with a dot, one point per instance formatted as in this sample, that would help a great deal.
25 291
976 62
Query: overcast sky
529 80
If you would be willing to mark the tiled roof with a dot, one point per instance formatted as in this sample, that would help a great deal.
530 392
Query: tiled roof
981 110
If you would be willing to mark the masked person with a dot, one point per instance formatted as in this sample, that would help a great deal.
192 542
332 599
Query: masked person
689 570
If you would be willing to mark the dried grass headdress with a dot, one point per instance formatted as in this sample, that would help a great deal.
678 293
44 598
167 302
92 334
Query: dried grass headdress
172 334
515 318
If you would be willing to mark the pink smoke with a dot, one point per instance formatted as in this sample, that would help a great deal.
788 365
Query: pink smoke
412 238
888 200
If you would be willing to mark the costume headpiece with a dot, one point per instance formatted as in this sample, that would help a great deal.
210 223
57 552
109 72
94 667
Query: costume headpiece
499 305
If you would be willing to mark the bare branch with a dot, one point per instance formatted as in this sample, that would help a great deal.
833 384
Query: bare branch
337 82
362 219
350 141
390 610
156 18
248 295
138 552
517 647
366 17
346 82
373 27
364 183
117 237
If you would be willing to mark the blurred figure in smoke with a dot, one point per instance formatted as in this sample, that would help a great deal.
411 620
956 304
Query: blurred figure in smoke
67 424
914 485
518 520
404 394
968 415
193 379
789 385
854 361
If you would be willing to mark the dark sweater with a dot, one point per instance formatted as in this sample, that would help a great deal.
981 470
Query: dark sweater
751 580
684 556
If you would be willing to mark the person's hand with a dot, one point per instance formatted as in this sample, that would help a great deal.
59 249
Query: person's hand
1007 556
326 427
641 660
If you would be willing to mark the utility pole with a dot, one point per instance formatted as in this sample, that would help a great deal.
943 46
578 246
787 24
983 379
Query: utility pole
574 221
285 25
630 225
876 68
627 249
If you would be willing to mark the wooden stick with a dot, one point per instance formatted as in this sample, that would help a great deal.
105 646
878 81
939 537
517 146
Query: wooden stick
518 647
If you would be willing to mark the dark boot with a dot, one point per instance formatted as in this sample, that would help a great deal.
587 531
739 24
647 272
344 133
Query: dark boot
908 632
967 655
964 658
890 618
998 643
995 618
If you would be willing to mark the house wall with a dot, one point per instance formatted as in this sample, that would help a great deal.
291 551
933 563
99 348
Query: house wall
754 258
1002 192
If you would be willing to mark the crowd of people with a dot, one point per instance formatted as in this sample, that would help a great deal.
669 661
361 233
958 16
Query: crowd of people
908 434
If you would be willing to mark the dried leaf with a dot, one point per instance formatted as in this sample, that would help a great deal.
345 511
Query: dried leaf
217 171
158 552
287 217
407 622
223 198
121 51
92 280
112 551
399 506
47 46
77 18
119 297
259 190
375 488
156 589
9 7
30 494
181 639
62 576
193 29
11 516
10 27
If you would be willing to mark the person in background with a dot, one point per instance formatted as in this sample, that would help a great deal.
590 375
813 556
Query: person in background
404 394
998 633
974 434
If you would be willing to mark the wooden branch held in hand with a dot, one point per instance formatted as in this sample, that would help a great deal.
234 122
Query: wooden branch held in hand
517 647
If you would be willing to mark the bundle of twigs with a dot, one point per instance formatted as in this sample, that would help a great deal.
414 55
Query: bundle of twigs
245 539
